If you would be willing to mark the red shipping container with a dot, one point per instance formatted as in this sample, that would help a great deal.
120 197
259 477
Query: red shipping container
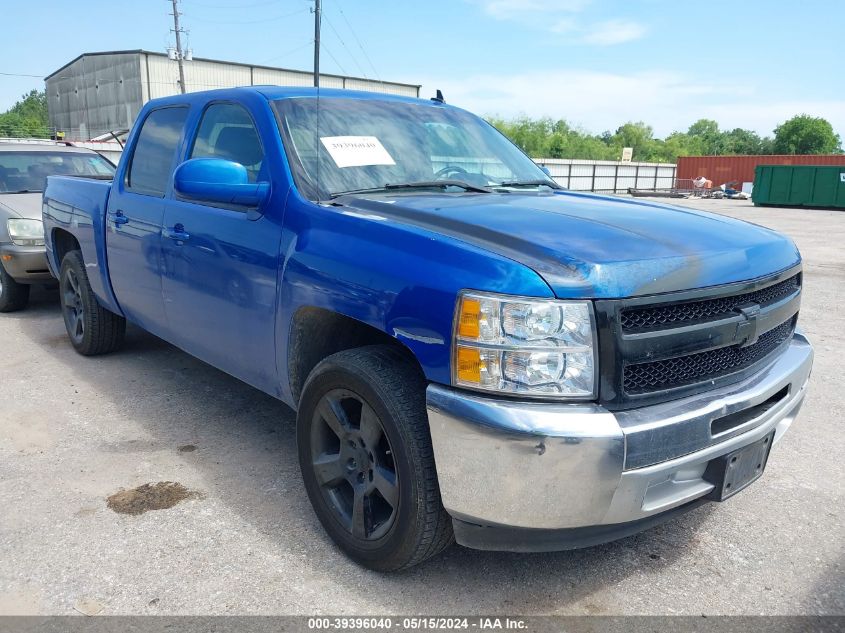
724 169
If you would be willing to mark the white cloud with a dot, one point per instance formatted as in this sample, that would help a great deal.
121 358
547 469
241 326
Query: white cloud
599 101
614 32
559 16
565 25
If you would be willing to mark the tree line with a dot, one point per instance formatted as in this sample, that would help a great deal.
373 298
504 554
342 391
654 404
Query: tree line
547 138
27 118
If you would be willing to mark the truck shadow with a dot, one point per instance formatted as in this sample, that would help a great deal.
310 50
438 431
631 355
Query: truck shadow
829 589
246 458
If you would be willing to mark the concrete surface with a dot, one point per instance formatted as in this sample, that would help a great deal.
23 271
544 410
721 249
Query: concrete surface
74 431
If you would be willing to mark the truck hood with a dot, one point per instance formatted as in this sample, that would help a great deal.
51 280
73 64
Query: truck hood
20 205
590 246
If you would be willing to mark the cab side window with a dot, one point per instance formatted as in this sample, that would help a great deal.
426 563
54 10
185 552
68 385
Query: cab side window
227 131
149 170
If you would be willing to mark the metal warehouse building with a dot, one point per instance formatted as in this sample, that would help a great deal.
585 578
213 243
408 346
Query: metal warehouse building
100 92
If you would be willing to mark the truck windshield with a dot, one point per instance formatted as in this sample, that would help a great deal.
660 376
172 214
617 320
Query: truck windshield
25 172
356 145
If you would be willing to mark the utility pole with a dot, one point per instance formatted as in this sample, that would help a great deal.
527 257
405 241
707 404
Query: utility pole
317 13
179 56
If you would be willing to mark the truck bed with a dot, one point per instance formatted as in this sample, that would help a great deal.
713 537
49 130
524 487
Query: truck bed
77 205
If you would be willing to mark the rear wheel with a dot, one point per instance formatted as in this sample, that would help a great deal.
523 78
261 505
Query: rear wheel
13 296
92 329
366 458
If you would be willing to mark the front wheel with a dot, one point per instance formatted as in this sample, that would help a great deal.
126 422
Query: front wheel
92 329
13 296
366 458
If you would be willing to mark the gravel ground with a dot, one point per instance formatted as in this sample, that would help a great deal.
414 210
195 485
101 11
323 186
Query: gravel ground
243 538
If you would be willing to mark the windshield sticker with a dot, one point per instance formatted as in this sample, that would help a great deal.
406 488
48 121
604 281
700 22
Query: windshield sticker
356 151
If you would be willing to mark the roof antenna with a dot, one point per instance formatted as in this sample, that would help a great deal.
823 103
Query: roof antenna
438 97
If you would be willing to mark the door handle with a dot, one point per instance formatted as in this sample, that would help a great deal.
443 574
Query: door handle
119 219
176 233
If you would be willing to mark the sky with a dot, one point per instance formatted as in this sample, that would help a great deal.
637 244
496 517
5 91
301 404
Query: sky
596 63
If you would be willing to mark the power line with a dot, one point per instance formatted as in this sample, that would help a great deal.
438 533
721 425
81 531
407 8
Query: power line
286 53
232 6
259 21
351 56
360 45
339 65
21 75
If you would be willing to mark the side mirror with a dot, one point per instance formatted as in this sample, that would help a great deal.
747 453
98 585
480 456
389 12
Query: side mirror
218 180
545 170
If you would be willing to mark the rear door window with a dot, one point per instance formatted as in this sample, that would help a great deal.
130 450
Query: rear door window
152 160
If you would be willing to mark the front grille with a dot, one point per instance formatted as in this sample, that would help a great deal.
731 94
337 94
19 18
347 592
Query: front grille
676 372
653 317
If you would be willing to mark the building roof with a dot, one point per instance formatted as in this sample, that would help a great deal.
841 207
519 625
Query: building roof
140 51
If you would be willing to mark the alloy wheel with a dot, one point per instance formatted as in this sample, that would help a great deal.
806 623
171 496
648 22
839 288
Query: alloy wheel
354 465
72 307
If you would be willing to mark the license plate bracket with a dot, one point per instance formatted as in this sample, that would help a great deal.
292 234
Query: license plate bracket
738 469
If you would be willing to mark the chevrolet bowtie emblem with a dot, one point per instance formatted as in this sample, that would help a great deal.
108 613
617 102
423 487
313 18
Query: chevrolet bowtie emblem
747 331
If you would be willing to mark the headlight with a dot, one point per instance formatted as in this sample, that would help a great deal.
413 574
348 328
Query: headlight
26 232
535 347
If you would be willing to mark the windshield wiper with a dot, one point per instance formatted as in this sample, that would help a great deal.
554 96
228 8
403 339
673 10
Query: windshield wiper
423 184
529 183
23 191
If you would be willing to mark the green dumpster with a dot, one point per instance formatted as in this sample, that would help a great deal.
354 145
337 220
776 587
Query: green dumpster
799 186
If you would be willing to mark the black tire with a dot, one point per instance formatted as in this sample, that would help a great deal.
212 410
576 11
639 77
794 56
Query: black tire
387 537
13 296
91 328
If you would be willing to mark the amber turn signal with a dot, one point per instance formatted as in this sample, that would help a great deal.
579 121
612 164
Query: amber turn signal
469 317
469 364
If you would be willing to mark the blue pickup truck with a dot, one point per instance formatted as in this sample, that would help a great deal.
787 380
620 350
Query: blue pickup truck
473 353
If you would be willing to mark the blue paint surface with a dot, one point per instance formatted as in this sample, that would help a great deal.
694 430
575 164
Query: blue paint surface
590 246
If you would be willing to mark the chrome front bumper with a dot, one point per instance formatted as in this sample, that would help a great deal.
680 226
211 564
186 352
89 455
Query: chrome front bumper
542 466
